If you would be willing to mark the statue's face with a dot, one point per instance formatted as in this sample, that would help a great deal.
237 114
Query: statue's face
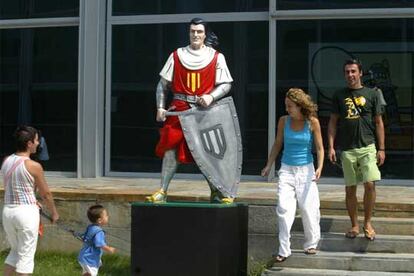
197 36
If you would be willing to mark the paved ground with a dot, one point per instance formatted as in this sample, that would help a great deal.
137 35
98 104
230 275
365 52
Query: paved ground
392 201
195 190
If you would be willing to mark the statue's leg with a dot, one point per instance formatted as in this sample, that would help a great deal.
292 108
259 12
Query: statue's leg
169 167
214 193
216 196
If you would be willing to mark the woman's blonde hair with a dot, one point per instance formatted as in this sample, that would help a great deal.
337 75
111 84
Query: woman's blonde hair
307 107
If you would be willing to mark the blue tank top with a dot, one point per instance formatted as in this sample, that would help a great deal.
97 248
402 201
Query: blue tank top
297 145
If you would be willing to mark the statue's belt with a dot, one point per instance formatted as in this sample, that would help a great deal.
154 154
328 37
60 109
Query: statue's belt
186 98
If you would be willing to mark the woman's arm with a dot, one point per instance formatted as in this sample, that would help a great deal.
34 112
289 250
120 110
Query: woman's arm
36 170
277 146
317 138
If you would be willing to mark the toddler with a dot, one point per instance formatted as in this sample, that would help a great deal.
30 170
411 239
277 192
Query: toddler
94 241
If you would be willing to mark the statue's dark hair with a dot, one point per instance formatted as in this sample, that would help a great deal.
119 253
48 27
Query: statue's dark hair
211 38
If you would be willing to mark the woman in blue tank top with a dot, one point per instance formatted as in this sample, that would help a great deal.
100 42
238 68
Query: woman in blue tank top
297 132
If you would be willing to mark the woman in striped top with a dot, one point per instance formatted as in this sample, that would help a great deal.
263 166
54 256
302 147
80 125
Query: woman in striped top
22 178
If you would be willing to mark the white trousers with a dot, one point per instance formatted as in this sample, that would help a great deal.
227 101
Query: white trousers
21 224
296 184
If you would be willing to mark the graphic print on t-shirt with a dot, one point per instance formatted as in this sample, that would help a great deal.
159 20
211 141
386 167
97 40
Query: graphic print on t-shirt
352 112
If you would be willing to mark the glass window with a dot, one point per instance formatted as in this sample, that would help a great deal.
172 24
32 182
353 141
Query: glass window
310 54
130 7
135 69
38 86
10 44
18 9
340 4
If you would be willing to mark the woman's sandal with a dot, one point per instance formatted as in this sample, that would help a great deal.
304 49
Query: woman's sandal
369 234
310 251
279 259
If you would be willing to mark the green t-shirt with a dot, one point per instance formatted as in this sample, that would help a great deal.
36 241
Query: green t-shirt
354 131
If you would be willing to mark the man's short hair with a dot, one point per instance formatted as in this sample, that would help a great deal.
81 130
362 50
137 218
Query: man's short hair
95 212
22 135
353 61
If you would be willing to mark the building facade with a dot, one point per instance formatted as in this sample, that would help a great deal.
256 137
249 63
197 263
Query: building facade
84 72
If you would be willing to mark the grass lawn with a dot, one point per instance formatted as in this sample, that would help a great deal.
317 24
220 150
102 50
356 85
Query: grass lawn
61 264
66 264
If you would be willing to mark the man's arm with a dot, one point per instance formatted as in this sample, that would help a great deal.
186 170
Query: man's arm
36 170
333 120
379 129
161 98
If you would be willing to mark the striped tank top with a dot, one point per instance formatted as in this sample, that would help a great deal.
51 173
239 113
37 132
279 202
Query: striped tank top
18 183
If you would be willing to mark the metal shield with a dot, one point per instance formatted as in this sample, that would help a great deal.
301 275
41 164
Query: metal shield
213 137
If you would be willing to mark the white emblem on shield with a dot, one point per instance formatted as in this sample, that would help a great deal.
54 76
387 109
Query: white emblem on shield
213 140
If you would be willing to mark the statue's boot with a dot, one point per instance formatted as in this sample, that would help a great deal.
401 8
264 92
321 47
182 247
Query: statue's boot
158 197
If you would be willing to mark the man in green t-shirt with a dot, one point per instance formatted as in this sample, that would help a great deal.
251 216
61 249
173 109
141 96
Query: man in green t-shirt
360 111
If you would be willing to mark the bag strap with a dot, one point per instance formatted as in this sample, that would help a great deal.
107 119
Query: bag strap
89 241
12 169
360 112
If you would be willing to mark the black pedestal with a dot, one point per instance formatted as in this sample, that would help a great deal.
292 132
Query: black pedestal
193 239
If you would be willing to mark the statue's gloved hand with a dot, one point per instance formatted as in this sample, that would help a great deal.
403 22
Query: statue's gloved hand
205 100
161 114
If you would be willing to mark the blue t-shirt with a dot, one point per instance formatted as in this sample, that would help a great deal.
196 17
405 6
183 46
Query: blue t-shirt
91 252
297 145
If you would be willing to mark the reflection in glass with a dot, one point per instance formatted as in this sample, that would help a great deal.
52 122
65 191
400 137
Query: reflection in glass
131 7
135 68
38 9
340 4
38 86
387 53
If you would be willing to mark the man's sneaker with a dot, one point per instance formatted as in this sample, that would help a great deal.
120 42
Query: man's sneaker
158 197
